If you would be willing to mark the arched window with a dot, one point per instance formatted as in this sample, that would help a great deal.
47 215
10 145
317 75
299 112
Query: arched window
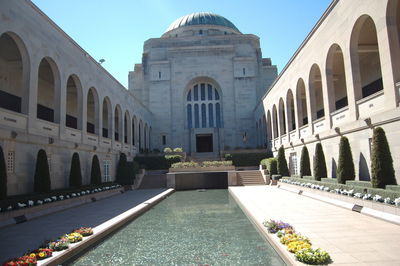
107 118
127 128
301 99
117 123
134 130
92 112
74 103
14 66
336 78
46 91
316 96
290 111
282 117
275 121
365 58
203 108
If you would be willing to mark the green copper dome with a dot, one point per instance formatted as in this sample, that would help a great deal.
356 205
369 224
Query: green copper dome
201 18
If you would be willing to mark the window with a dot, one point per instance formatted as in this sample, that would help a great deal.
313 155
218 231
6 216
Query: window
201 32
159 75
244 71
203 116
293 163
164 140
189 116
10 162
107 165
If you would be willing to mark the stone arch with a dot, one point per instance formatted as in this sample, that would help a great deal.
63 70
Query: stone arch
73 109
107 118
301 99
92 111
275 122
127 127
269 128
117 123
282 117
134 129
336 78
48 91
140 135
15 71
365 58
316 94
290 111
145 137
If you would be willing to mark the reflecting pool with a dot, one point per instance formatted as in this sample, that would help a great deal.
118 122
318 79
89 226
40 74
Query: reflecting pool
187 228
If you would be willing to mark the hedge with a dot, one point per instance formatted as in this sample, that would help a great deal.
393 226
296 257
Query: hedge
133 170
271 164
41 179
122 176
3 176
393 188
75 174
359 183
156 162
329 180
246 159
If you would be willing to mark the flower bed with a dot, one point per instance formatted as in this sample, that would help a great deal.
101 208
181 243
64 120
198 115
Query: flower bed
297 244
47 248
41 199
204 164
385 196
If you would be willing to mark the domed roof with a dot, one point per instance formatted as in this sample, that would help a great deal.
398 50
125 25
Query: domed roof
201 18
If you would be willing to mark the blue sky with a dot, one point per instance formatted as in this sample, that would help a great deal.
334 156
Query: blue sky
116 30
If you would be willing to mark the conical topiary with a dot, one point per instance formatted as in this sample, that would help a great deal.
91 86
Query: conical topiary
345 170
319 163
282 164
381 161
95 172
305 169
75 175
3 176
273 167
122 176
42 182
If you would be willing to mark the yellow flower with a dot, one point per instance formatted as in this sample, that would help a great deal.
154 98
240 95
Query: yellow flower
32 255
42 255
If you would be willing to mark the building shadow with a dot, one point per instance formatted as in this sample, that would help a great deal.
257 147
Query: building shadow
334 168
363 172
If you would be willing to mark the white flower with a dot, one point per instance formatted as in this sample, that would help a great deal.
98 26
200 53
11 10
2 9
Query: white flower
54 198
326 188
67 196
31 203
397 202
83 192
47 200
78 194
21 205
9 208
61 197
40 202
367 197
377 198
358 195
73 195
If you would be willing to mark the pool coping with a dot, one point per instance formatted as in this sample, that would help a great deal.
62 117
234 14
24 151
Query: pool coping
285 255
104 229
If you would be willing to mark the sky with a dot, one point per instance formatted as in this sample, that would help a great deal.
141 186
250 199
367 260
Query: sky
116 30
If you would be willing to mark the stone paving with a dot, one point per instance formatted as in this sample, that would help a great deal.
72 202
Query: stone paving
350 238
18 239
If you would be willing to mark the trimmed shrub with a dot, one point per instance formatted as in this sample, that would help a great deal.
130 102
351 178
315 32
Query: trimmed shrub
329 180
358 183
167 150
246 159
122 176
273 167
382 171
3 176
308 177
283 169
95 172
305 163
75 174
42 182
345 170
173 157
178 149
133 170
319 163
156 162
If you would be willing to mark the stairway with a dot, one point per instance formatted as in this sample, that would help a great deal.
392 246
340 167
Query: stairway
250 178
154 179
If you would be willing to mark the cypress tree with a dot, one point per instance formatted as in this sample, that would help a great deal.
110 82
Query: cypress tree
3 176
122 176
282 164
345 170
381 161
95 172
305 169
42 182
319 163
75 175
273 167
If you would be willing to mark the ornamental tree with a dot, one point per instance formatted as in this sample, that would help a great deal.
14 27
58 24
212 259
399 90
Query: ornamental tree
95 172
42 182
319 163
75 175
282 164
345 170
122 176
3 176
381 161
304 163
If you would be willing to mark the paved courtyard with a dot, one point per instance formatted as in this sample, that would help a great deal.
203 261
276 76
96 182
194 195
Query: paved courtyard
350 238
21 238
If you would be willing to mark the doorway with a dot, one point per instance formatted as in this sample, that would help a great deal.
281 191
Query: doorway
204 143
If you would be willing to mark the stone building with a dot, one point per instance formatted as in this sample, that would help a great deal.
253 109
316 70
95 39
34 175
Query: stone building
55 96
342 81
202 79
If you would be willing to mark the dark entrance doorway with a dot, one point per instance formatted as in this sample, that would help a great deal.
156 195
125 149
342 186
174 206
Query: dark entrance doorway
204 143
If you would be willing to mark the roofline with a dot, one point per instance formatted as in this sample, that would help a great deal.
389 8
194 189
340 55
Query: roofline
57 28
308 37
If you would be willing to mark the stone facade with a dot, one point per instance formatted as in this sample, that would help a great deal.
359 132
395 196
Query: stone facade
342 81
190 55
54 96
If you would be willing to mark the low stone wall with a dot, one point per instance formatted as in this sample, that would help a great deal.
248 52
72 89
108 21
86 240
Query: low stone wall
201 180
203 169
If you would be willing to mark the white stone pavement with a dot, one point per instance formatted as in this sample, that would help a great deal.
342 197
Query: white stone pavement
350 238
17 239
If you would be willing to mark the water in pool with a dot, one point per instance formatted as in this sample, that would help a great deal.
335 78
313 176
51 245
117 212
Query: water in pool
187 228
